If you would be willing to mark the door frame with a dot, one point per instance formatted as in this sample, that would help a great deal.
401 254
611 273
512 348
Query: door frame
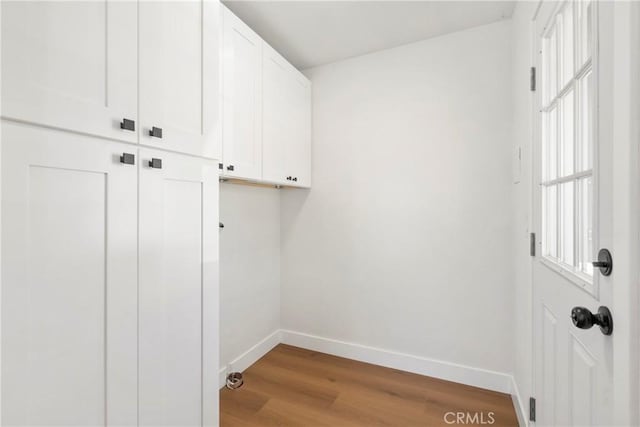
625 215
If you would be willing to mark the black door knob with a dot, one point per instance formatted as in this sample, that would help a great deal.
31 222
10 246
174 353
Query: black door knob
289 178
585 319
156 132
127 124
604 262
230 168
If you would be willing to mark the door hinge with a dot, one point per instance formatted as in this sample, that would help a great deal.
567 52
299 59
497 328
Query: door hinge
532 244
533 79
532 409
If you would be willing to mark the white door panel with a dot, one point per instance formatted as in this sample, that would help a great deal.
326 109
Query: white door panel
178 205
179 75
242 99
286 129
71 65
573 367
68 280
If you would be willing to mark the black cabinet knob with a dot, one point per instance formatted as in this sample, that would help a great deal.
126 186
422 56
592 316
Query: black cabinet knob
230 168
128 159
127 124
289 178
155 132
155 163
295 178
604 262
583 318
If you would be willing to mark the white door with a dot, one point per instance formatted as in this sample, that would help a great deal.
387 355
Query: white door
178 319
286 125
572 211
242 99
179 76
71 65
69 280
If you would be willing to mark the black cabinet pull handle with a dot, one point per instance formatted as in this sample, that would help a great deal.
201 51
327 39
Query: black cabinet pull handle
155 132
128 159
155 163
230 168
127 124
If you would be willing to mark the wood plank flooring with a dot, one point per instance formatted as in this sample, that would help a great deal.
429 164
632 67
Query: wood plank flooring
291 386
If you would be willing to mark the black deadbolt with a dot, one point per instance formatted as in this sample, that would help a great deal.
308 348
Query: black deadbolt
584 319
604 262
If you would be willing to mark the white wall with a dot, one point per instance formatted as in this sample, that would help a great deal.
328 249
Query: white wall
249 268
405 241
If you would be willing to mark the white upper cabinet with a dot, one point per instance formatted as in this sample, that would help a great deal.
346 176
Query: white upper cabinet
90 67
266 111
71 65
179 76
242 99
286 137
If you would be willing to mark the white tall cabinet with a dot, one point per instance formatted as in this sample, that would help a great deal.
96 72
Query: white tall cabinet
109 269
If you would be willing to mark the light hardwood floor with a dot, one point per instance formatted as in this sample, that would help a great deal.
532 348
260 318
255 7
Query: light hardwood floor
291 386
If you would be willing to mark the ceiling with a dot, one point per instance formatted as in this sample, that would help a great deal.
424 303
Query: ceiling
311 33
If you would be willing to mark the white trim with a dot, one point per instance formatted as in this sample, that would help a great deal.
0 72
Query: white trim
477 377
251 356
518 404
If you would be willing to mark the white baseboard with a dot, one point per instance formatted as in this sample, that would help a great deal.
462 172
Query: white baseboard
483 378
518 404
250 356
477 377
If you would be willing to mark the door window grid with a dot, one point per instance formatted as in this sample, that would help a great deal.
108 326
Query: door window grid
568 128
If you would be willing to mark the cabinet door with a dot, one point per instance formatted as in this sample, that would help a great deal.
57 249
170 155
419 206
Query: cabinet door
71 65
178 291
286 141
180 76
242 103
299 151
69 280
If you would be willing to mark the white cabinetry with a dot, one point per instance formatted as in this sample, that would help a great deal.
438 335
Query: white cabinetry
71 65
69 280
109 282
286 135
179 76
178 290
266 111
86 66
242 99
